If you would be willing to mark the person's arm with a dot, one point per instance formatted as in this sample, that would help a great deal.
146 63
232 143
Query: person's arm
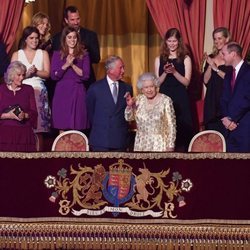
84 72
14 57
45 73
130 110
57 67
185 80
169 125
161 78
212 67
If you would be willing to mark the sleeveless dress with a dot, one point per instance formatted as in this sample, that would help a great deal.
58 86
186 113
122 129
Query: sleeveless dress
41 93
178 93
212 116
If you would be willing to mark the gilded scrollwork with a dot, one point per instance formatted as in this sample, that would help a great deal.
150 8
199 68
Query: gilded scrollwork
94 191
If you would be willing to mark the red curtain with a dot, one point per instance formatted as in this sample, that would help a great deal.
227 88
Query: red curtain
186 15
10 14
189 17
234 14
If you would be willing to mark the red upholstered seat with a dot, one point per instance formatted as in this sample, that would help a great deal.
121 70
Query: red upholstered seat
71 140
207 141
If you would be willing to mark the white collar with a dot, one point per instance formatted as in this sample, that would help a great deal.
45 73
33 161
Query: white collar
238 66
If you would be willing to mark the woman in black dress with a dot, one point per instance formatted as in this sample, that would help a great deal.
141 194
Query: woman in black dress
174 68
213 76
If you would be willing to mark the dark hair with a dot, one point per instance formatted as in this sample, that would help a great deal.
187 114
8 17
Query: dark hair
71 9
27 32
181 50
233 46
78 50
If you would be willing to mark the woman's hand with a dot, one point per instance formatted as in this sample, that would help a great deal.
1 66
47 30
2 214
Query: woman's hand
31 71
70 59
169 68
129 99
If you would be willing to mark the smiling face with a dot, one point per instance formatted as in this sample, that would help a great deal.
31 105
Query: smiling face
71 39
73 20
32 40
43 26
172 43
149 89
220 40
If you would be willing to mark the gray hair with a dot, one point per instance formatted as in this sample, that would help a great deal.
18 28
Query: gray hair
14 68
110 62
148 76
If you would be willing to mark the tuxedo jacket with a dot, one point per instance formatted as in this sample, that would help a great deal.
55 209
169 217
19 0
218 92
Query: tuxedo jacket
236 105
90 40
109 129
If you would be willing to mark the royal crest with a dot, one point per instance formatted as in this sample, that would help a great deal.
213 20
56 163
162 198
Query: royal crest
93 191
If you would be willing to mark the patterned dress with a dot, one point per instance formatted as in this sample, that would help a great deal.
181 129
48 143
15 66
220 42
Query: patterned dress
41 94
156 128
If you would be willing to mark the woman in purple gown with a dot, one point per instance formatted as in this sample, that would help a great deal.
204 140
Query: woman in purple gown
18 112
70 67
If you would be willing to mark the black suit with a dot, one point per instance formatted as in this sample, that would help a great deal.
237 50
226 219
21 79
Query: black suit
90 40
4 59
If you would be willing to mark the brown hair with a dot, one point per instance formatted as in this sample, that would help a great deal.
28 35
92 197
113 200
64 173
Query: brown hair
181 50
79 50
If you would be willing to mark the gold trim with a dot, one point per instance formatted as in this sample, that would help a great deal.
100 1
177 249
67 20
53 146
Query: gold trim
126 221
122 236
127 155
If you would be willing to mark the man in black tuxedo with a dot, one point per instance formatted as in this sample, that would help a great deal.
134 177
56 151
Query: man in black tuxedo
4 59
88 37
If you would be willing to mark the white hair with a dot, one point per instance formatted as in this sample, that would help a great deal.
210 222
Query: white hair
148 76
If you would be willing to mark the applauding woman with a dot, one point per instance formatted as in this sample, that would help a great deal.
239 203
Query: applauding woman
38 69
174 68
18 113
154 116
70 67
213 78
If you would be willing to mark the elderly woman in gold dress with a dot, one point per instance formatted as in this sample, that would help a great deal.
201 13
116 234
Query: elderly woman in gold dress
154 115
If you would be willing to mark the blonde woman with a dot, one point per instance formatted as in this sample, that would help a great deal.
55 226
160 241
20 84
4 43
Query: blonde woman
213 78
41 21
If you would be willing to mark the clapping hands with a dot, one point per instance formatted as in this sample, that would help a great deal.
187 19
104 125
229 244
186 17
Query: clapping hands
169 68
31 71
69 60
